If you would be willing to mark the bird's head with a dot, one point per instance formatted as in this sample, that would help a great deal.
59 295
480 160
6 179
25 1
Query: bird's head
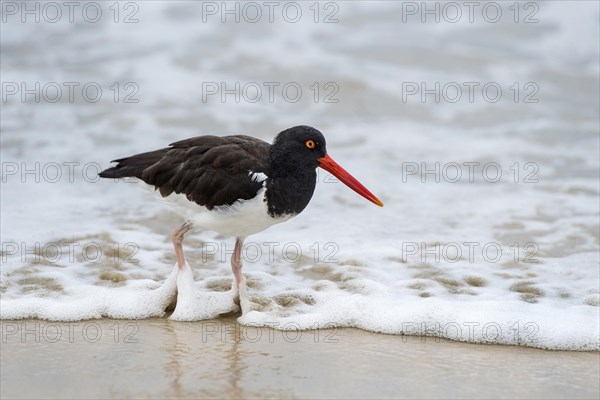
300 145
305 147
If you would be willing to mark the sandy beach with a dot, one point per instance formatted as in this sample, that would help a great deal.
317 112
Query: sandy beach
160 358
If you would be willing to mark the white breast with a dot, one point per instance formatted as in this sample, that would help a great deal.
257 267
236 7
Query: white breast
241 219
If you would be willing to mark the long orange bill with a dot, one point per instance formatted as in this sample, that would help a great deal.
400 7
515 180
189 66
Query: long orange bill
331 166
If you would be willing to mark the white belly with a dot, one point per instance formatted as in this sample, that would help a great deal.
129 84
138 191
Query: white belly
241 219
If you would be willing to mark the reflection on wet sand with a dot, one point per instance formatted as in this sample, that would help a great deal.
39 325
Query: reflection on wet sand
225 340
219 358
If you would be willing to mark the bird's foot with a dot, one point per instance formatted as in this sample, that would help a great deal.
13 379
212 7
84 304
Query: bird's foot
245 303
178 233
235 288
177 236
240 295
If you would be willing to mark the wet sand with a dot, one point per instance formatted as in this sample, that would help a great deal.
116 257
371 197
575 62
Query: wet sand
159 358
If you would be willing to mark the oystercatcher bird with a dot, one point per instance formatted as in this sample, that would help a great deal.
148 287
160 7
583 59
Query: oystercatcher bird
236 185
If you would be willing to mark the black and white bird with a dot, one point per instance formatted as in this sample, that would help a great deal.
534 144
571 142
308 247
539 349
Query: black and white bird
237 185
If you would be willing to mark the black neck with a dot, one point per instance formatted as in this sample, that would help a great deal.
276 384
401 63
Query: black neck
290 187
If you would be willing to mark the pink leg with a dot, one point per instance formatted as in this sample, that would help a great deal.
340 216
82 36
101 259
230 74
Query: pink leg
177 237
236 262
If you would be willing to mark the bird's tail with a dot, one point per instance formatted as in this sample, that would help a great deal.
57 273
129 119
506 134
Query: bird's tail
133 166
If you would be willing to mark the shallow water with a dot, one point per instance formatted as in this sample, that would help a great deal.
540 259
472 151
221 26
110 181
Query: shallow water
458 251
159 358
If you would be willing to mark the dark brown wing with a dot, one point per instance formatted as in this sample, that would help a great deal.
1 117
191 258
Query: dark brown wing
211 171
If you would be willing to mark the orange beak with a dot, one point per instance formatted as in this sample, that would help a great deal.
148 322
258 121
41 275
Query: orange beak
331 166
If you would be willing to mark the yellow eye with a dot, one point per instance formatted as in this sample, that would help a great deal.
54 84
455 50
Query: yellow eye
310 144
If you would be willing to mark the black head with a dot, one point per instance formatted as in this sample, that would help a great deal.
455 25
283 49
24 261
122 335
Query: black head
301 146
295 155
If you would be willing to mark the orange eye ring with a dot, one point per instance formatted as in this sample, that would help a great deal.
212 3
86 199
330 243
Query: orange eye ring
310 144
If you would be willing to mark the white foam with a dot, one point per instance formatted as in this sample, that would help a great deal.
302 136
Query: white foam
195 305
88 302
